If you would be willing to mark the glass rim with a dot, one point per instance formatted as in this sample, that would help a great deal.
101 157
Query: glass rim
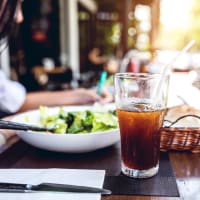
139 75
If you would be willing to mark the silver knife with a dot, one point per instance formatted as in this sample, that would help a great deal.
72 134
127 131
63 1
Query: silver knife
50 187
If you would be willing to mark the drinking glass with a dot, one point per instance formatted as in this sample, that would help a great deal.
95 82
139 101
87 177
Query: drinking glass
140 110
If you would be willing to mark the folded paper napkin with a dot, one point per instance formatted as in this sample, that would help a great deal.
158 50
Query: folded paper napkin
93 178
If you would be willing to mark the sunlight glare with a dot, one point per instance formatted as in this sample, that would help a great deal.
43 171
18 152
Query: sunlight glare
175 13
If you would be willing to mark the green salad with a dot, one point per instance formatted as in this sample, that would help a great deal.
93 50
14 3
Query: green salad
86 121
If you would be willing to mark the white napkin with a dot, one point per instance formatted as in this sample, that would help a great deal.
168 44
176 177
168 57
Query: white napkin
92 178
181 90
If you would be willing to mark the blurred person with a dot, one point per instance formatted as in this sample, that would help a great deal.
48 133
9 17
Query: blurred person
95 61
96 64
112 66
13 95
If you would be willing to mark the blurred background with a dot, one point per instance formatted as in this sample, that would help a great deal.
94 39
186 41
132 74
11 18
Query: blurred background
68 43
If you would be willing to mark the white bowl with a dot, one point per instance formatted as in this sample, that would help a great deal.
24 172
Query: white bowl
69 143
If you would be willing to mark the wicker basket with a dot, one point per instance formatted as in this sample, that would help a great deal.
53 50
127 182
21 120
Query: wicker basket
181 139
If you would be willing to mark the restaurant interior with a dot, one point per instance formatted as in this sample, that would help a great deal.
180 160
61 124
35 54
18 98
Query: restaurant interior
52 46
70 44
60 34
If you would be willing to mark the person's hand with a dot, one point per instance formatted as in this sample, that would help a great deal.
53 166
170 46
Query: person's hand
106 97
82 96
86 96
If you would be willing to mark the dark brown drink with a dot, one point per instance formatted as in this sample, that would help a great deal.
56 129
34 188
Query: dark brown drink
140 137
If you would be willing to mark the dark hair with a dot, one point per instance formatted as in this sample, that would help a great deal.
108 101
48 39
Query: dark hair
7 17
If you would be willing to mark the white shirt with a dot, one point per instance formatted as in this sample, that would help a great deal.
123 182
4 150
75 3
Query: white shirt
12 94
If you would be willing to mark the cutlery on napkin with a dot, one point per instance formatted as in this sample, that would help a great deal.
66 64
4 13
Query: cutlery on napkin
83 177
50 187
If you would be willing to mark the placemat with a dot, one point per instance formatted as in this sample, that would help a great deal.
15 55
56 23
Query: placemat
163 184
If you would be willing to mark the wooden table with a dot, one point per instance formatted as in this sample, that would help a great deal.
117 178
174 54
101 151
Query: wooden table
186 166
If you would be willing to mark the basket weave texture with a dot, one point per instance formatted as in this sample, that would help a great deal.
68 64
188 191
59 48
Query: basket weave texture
185 138
181 139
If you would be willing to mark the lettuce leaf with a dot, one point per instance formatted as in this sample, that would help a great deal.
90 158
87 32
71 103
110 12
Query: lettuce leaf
78 122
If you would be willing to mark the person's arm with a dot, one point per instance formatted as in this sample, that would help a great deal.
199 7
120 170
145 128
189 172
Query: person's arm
66 97
12 94
95 57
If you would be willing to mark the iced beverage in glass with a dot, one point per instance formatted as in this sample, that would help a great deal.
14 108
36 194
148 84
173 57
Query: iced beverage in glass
140 120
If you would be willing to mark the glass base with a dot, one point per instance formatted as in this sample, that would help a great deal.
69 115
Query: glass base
135 173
